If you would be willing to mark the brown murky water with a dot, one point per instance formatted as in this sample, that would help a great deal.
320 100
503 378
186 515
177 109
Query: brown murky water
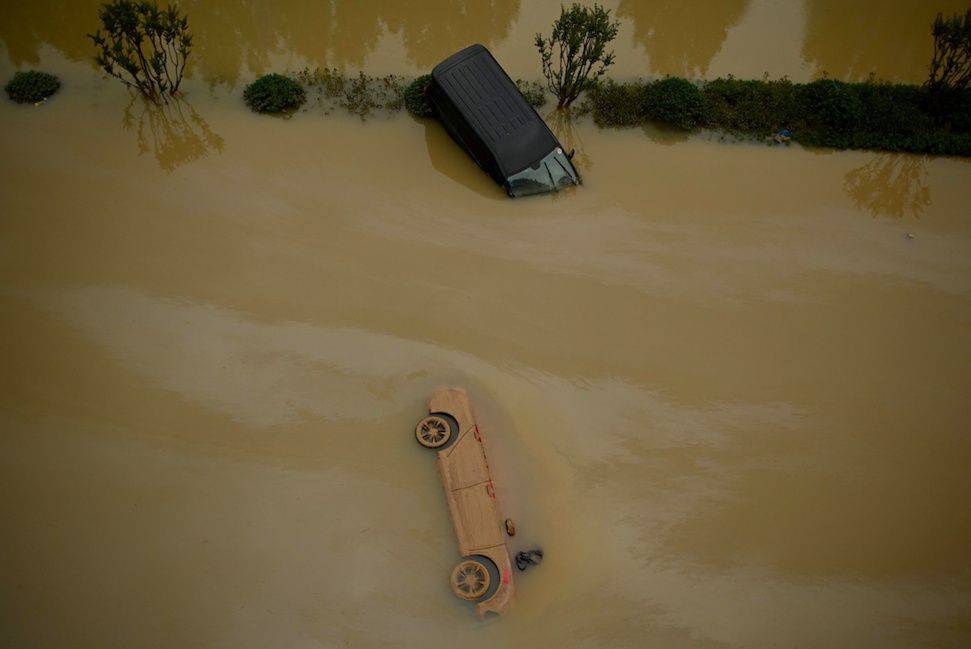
724 386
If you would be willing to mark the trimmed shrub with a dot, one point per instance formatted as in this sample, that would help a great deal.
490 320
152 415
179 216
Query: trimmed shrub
879 116
675 101
748 106
32 86
617 104
416 97
274 93
830 104
894 109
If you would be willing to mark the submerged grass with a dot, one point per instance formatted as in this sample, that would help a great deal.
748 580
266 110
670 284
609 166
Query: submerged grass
533 92
361 95
870 115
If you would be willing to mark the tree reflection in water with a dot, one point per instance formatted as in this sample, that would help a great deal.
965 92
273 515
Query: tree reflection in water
564 124
681 37
890 184
891 40
233 39
175 133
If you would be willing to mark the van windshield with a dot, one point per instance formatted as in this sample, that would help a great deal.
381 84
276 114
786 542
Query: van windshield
551 174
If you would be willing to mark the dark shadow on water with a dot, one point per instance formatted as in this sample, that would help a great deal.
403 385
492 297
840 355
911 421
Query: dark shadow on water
890 184
174 132
665 134
450 160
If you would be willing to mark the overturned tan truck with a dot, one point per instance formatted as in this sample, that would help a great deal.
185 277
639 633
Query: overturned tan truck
484 575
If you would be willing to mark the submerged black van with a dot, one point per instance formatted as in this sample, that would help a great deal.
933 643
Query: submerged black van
484 112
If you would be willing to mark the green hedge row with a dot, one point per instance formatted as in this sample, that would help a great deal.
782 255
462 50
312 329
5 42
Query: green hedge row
360 95
827 113
882 116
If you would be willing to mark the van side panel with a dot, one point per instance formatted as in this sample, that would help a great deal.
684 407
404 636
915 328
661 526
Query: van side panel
481 94
463 133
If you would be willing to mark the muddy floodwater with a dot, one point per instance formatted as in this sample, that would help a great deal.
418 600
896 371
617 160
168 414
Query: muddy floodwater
725 386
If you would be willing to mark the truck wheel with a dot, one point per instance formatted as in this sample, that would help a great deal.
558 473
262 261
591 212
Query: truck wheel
470 580
433 431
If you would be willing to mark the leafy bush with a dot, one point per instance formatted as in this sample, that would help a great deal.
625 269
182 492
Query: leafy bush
894 109
617 104
830 104
881 116
674 101
416 97
533 92
144 46
748 106
32 86
580 35
274 93
959 117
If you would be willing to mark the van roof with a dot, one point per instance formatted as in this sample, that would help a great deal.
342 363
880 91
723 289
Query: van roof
491 103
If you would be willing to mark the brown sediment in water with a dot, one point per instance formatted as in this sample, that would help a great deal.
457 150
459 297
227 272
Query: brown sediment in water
721 386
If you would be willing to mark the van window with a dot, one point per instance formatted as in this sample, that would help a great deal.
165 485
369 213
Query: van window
552 173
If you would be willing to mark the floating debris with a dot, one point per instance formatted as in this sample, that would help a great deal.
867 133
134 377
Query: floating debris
529 558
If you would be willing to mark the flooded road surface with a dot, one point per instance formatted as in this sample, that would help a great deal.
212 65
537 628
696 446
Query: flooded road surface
724 386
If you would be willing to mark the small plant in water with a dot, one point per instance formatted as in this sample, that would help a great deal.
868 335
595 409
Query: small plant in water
144 46
274 93
365 94
533 92
580 37
32 87
361 95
